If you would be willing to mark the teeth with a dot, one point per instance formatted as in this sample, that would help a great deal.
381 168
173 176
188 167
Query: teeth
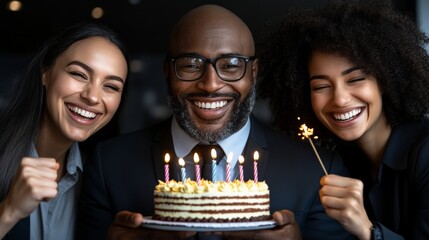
347 116
82 112
210 105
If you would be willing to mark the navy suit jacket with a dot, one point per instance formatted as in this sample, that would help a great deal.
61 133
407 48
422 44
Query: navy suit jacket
399 198
124 171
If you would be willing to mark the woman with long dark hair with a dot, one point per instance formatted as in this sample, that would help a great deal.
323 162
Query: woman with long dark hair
71 89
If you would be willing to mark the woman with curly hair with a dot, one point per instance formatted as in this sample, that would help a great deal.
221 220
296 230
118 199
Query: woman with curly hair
359 74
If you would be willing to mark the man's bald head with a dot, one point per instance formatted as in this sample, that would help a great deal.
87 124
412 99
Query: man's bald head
203 20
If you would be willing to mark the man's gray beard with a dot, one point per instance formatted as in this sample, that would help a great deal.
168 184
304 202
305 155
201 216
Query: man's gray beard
239 116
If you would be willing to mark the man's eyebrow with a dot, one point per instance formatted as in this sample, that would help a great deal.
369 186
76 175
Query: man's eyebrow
89 69
345 72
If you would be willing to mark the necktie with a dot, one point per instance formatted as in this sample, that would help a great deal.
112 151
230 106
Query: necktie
204 152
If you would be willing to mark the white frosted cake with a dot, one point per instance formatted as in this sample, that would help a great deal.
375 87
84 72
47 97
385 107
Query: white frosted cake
212 202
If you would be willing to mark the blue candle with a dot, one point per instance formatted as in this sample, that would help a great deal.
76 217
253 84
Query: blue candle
182 170
214 166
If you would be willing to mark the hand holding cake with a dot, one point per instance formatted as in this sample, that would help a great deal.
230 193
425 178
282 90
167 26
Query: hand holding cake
287 228
131 222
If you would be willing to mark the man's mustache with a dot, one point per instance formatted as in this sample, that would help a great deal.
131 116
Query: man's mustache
212 95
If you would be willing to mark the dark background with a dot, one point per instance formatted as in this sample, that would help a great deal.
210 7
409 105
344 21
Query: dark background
143 26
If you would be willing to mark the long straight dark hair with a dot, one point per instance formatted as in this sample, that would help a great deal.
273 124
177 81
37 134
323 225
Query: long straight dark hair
20 119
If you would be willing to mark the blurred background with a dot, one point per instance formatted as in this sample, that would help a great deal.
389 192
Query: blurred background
143 26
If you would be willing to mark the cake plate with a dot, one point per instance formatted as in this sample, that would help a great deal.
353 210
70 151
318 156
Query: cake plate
148 222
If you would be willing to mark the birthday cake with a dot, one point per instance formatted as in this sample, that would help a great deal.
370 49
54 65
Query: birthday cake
234 201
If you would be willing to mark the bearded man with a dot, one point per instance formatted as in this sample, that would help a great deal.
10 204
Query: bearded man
211 72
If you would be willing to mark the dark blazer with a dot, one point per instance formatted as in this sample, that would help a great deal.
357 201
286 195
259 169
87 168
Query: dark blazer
124 171
20 231
399 198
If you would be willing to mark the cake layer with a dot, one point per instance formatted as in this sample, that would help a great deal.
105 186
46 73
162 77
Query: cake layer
213 218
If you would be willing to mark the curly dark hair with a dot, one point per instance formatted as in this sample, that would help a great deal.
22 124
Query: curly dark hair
371 34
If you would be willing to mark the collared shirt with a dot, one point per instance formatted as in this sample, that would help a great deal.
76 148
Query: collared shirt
183 145
55 219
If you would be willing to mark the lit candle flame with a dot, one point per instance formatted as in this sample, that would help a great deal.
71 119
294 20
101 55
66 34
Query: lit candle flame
241 159
256 156
229 158
167 158
196 158
181 162
213 153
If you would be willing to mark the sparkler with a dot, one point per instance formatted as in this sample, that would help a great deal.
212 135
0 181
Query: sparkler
307 133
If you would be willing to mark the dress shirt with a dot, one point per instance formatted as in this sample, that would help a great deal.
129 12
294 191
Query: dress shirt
183 145
55 219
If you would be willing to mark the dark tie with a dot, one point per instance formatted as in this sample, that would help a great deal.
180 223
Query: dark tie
204 152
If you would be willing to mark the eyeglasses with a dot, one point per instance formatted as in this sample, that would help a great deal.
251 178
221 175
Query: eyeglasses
229 68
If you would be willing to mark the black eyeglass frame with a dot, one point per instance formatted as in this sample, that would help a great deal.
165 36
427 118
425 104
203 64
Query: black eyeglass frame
213 62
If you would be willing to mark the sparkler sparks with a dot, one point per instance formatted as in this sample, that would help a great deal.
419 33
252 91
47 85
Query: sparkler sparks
307 132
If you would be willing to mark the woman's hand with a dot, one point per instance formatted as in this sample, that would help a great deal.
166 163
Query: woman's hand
342 198
34 182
